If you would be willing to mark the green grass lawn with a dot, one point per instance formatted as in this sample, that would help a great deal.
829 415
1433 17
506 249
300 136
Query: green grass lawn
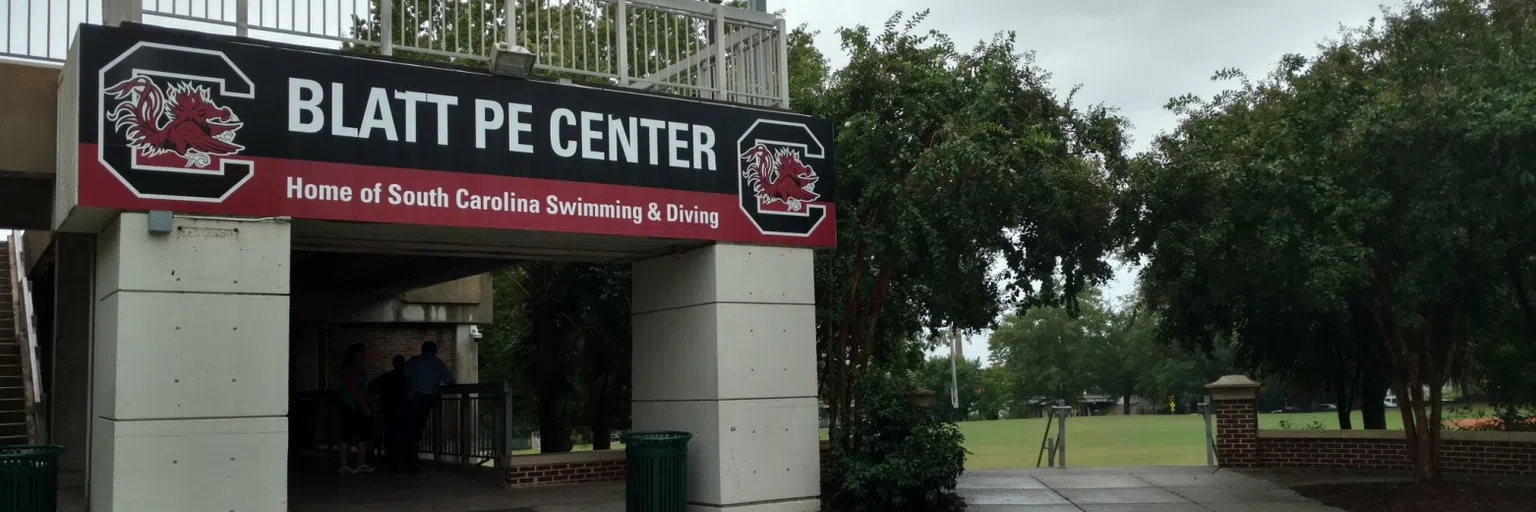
1096 441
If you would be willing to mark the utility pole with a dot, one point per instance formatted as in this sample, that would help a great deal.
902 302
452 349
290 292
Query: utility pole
955 354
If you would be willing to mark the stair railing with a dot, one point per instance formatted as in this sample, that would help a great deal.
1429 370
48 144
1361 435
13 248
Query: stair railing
26 331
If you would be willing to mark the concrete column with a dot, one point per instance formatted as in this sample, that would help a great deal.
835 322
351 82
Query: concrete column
1235 402
190 387
70 418
466 355
725 348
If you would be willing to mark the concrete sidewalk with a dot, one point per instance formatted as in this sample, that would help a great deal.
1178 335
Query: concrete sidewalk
1158 489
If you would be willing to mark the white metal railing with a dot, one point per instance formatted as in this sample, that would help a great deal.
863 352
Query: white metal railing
688 47
27 316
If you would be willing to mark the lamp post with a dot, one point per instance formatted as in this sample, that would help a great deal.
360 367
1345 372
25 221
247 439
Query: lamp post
922 397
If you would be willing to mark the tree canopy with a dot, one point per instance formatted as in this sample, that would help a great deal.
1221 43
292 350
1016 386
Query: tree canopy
948 161
1386 180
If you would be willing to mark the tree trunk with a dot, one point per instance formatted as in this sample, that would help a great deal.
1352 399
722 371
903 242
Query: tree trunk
1372 380
837 353
600 411
1416 425
602 391
554 434
1522 296
1126 400
1342 400
1433 444
551 332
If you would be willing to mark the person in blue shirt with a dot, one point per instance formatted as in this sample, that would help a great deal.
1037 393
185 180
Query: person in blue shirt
425 374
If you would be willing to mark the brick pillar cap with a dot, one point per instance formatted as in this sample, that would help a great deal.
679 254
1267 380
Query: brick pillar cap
1234 387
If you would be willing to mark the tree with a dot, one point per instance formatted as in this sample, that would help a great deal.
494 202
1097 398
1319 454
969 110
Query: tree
991 399
935 375
1384 180
948 161
1123 355
1049 354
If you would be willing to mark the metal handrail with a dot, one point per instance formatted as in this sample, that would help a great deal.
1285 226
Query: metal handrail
470 425
27 315
27 322
690 47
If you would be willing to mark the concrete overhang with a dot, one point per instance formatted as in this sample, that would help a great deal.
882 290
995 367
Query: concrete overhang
28 113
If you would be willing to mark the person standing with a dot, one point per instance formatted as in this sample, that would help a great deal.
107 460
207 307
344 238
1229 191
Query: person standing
355 410
390 388
425 374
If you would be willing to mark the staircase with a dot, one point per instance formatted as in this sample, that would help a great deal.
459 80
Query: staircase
13 392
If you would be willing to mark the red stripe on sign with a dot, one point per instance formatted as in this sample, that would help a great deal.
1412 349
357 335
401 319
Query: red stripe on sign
345 192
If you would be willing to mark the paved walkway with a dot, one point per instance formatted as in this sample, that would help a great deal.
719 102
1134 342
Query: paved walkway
1174 489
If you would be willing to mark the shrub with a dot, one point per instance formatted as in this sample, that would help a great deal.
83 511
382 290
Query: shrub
895 455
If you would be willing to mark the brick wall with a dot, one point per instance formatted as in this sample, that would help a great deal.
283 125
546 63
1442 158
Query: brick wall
382 341
565 468
589 467
1479 453
1237 427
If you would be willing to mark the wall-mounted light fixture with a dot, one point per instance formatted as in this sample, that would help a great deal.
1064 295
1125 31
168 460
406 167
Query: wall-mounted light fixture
509 60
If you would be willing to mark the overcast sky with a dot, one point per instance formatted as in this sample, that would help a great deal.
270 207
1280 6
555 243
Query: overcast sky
1130 54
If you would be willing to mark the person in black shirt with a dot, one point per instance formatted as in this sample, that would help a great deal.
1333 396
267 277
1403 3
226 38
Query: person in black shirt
390 387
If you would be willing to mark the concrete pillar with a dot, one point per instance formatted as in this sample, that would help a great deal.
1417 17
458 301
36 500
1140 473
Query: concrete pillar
1235 402
466 355
725 348
70 417
190 384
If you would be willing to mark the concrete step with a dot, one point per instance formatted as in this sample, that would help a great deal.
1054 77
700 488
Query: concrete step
13 416
13 429
9 348
10 359
12 393
10 380
9 440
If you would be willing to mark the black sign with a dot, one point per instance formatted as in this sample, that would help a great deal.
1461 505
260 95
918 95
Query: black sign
182 116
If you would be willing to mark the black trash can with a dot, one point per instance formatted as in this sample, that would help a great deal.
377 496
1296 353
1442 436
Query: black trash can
656 466
29 478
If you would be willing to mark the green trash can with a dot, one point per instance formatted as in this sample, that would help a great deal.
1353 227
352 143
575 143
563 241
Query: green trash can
29 478
656 466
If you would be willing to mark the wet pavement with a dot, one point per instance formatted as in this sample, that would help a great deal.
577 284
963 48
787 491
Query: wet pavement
1166 489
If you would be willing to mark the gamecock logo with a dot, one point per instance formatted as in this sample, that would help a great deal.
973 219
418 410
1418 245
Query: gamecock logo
778 180
167 126
185 122
780 177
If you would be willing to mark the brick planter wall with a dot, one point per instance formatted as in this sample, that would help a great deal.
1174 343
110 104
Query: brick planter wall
1478 453
1240 443
1237 427
565 468
590 467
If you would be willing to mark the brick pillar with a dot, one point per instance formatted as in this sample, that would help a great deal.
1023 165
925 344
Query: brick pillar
1235 401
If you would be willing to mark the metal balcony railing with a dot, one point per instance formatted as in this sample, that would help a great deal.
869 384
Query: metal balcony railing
26 331
687 47
469 425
